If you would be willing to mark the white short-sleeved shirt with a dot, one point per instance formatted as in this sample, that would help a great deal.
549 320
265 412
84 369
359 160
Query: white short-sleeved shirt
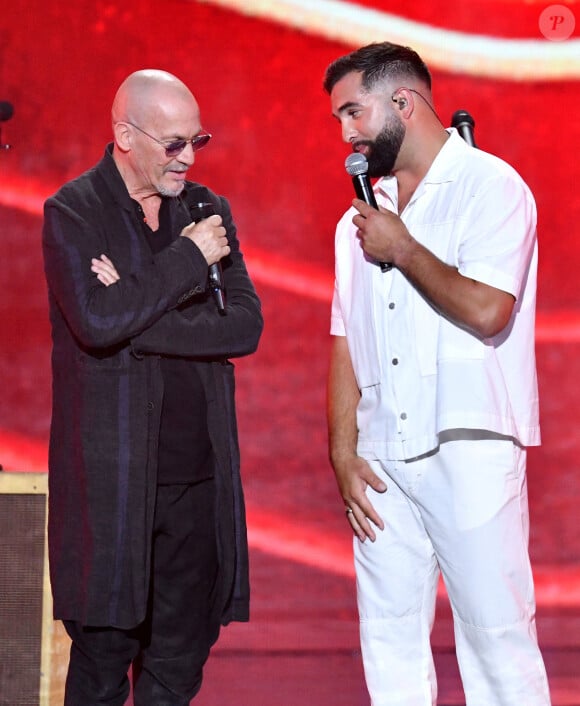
418 373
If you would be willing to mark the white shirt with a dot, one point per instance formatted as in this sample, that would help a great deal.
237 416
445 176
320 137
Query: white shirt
418 373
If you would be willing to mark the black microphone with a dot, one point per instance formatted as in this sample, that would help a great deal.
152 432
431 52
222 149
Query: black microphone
462 121
199 211
6 110
357 166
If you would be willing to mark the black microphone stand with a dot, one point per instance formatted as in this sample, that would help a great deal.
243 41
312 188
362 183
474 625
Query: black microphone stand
6 112
462 121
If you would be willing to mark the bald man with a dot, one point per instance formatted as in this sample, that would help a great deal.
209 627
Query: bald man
147 537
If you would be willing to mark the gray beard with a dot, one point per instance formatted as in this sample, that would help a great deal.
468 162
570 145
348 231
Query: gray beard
165 191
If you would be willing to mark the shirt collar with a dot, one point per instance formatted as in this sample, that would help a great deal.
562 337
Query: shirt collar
113 179
444 168
111 175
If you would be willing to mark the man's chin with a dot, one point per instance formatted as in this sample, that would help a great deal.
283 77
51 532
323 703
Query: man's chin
174 190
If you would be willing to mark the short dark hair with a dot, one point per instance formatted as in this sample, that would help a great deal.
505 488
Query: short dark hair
377 62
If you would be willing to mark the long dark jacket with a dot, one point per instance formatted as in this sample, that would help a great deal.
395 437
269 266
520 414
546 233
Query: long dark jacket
108 392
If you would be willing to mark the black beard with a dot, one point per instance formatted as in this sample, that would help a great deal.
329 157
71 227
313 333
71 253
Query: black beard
384 149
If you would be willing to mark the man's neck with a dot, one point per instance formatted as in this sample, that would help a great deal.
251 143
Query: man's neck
410 176
148 198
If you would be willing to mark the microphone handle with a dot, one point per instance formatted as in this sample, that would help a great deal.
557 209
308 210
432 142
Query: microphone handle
198 212
364 191
215 284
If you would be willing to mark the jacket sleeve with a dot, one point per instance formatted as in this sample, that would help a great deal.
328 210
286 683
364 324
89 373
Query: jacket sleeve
196 328
150 285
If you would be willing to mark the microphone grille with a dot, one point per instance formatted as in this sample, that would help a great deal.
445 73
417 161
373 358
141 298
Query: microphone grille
356 164
462 117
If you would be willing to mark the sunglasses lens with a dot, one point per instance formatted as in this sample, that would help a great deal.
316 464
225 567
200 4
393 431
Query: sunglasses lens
200 141
173 149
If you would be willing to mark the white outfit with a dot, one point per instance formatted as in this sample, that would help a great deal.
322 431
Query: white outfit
445 415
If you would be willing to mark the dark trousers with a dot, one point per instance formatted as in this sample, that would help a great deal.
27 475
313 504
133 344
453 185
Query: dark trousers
169 649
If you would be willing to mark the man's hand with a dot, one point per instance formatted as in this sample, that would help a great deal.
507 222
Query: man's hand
353 473
210 237
353 476
105 270
382 234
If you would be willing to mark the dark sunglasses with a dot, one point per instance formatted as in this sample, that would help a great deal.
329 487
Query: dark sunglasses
172 149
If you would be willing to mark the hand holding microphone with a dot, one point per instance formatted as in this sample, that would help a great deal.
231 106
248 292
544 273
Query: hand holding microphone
208 233
357 166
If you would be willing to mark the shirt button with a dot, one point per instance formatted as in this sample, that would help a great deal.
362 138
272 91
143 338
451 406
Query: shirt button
391 305
150 405
404 415
395 361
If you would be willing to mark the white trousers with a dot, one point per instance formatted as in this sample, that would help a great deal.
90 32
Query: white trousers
462 511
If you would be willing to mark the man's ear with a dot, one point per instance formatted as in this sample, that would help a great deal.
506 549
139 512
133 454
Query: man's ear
405 101
122 136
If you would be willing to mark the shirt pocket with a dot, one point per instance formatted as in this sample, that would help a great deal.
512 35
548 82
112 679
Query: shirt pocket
439 339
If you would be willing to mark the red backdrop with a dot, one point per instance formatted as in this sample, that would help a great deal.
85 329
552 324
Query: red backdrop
277 155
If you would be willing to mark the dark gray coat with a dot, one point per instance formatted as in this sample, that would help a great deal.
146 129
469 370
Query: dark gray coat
108 390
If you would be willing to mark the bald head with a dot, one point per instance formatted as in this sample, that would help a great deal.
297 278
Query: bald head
146 95
152 110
